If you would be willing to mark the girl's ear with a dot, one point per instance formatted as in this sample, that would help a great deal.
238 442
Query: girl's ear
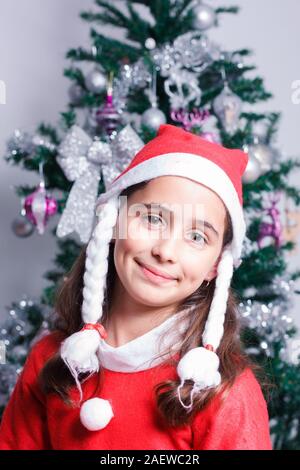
214 270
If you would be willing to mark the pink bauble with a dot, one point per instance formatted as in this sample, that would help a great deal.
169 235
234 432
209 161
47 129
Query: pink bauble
39 207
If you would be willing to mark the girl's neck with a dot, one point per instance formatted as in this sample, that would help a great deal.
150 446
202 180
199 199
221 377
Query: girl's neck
128 320
123 326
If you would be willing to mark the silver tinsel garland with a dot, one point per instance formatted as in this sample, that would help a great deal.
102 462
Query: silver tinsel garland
25 142
179 62
270 320
17 334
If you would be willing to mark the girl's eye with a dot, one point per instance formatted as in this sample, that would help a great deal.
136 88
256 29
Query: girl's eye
200 238
154 219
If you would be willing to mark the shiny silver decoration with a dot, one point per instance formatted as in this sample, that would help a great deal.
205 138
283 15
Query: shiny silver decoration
24 142
204 17
263 153
131 76
83 159
180 63
271 321
153 118
253 169
227 106
150 44
96 81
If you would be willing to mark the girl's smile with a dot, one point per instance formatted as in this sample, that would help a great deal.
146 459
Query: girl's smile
154 277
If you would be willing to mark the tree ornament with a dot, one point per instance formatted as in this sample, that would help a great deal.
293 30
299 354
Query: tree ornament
131 76
96 81
227 107
153 117
274 228
82 160
21 226
107 117
253 169
181 63
263 153
195 118
39 206
291 227
204 17
150 44
271 320
25 142
17 330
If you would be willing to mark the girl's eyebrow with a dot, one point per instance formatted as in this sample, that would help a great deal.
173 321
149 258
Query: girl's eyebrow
206 224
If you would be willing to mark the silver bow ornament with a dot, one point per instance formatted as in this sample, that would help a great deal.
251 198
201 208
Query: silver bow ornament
82 160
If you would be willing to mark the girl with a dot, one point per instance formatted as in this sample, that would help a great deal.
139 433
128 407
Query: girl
146 351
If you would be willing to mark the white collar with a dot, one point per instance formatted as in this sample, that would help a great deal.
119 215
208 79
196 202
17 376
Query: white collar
139 353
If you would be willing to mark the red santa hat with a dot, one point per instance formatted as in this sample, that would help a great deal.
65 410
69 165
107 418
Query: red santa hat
172 152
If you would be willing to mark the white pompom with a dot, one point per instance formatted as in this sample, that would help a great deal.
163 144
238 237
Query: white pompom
95 414
79 351
201 366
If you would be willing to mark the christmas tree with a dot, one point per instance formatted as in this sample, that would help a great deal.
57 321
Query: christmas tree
167 70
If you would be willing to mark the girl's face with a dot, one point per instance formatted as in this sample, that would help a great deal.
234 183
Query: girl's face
168 240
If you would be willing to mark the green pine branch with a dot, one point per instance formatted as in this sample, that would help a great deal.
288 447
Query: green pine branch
76 75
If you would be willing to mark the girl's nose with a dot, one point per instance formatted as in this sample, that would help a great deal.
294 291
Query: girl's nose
167 249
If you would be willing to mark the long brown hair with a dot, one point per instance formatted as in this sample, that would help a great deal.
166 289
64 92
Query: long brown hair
55 376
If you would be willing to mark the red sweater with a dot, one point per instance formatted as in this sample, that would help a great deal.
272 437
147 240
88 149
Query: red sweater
33 420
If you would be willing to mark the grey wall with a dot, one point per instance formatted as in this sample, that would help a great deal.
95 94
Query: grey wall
34 36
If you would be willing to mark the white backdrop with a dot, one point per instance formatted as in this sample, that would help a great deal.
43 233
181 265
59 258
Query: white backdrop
34 37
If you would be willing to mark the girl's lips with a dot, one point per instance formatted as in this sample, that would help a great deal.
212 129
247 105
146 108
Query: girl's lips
154 277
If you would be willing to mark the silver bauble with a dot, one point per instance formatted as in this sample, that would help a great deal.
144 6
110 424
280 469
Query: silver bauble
95 81
150 44
227 106
259 130
204 17
253 170
153 118
22 227
75 93
264 154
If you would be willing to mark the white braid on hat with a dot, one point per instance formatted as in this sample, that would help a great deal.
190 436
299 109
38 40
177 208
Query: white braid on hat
79 351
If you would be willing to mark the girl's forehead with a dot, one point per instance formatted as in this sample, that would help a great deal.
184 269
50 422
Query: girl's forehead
179 190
